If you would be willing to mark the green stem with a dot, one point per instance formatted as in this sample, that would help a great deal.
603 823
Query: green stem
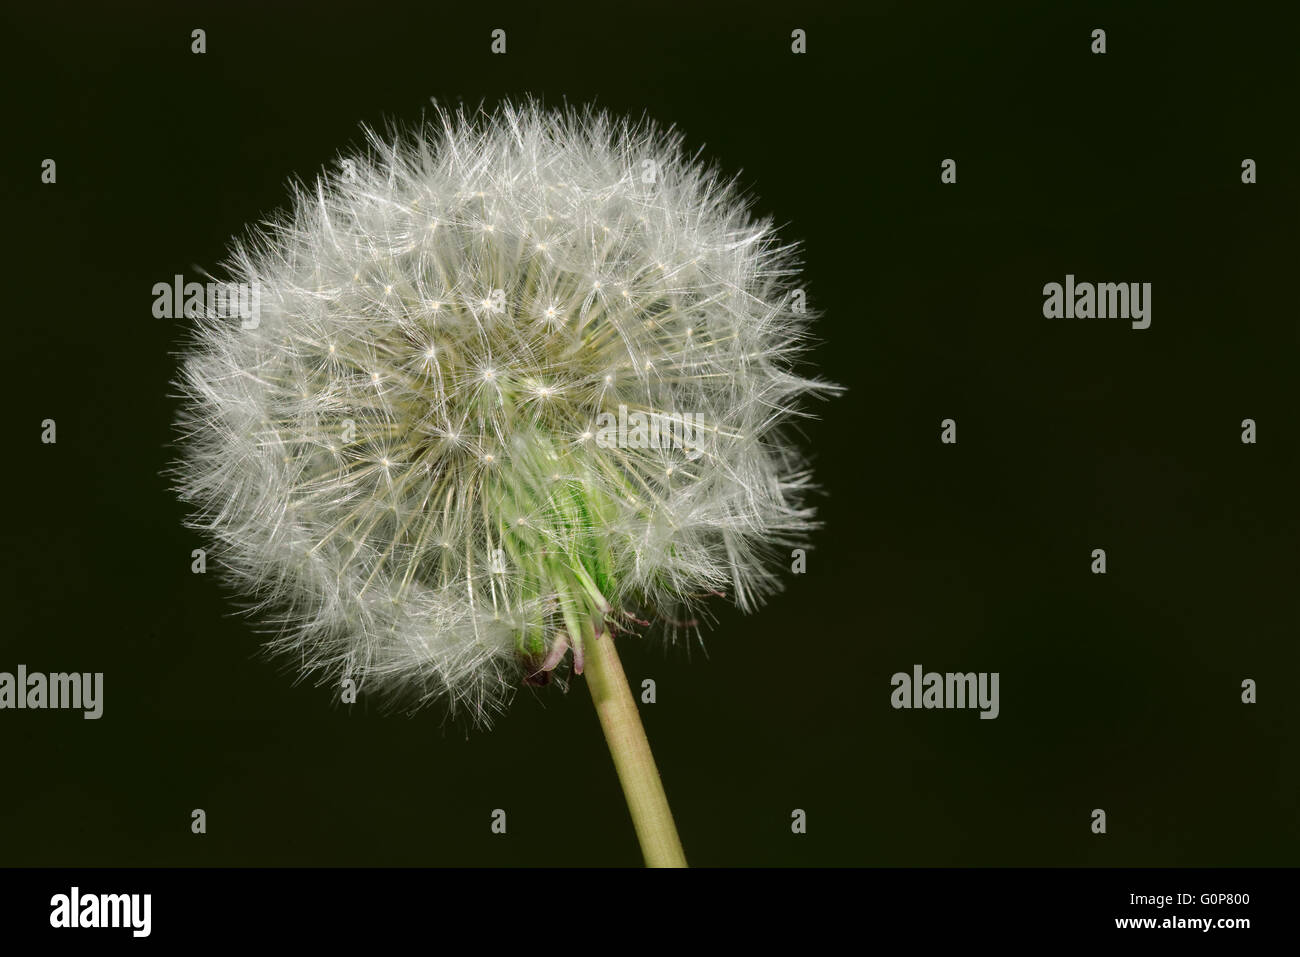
635 764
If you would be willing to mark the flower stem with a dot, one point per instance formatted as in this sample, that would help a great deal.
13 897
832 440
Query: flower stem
635 764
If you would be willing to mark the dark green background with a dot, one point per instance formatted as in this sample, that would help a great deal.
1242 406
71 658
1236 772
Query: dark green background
1120 692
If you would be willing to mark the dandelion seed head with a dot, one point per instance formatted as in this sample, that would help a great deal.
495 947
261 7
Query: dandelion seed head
385 460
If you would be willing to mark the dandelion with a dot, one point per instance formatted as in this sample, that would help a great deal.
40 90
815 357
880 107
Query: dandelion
401 460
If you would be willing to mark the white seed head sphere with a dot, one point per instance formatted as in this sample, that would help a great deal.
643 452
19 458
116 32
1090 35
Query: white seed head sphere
409 461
